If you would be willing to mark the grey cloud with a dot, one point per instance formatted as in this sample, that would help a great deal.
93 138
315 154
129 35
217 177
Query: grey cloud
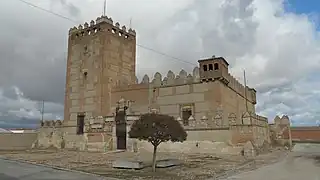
33 50
10 92
73 10
18 122
34 53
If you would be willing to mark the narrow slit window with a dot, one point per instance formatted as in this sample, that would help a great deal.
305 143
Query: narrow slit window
80 124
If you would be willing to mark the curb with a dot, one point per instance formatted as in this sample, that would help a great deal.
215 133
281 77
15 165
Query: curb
57 168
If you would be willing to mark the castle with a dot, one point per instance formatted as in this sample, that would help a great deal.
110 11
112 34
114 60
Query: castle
209 102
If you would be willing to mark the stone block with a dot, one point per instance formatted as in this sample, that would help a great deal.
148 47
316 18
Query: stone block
74 102
88 108
74 109
167 163
126 164
169 109
181 99
183 89
89 86
74 95
165 91
202 87
89 101
89 94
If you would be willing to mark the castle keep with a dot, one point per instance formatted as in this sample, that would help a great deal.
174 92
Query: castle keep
209 102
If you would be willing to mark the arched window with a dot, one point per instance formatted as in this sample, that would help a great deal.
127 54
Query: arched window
216 66
210 67
205 68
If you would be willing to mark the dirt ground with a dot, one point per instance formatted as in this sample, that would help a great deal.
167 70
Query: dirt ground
194 166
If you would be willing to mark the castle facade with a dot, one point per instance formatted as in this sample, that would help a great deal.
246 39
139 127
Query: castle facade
209 102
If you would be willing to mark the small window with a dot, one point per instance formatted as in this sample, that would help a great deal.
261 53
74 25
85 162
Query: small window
216 66
210 67
80 124
205 68
85 74
186 112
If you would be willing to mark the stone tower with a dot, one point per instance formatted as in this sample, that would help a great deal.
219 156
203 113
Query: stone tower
100 55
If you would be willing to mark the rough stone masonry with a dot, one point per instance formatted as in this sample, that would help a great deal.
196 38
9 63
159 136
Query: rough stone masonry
217 111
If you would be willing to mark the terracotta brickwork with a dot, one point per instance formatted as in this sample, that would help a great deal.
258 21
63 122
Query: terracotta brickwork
305 133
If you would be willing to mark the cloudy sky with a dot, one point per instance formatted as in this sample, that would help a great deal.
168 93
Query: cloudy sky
276 42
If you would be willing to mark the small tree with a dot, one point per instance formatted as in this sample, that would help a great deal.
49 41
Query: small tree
157 128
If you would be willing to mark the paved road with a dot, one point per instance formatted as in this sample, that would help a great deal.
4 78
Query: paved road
10 170
302 163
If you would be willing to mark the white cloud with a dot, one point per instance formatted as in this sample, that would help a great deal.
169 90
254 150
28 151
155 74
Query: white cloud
279 50
26 108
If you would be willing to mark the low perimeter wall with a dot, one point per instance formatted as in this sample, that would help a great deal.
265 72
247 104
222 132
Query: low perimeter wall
17 141
198 141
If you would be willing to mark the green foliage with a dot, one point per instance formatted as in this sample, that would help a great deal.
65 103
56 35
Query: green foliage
157 128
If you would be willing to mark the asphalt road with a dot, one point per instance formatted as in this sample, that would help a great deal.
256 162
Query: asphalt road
11 170
303 163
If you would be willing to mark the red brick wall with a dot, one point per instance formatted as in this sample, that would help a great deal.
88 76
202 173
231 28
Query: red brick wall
305 133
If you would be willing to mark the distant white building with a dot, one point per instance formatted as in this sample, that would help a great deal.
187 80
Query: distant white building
21 130
4 131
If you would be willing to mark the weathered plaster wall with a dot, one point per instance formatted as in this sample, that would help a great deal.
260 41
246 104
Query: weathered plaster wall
17 141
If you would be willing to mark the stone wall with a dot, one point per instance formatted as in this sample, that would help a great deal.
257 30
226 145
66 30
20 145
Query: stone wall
198 141
52 134
97 135
17 141
212 138
169 94
305 134
280 131
252 128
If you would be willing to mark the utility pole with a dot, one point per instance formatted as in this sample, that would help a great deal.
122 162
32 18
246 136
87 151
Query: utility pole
42 110
130 24
104 7
40 106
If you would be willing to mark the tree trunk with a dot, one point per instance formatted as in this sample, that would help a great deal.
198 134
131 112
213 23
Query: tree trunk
154 158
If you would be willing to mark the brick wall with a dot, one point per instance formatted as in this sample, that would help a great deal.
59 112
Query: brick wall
17 141
305 133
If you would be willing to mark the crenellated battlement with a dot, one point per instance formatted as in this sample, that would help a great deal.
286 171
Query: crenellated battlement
238 87
183 78
51 123
96 26
170 79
